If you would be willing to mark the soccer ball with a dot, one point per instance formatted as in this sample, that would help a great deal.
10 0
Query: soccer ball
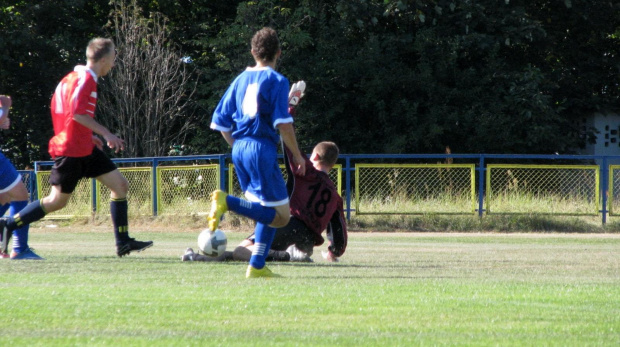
212 244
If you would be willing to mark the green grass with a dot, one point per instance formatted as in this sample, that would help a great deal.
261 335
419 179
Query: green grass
390 289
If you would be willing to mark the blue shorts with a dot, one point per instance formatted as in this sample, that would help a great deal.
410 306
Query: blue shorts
260 177
9 177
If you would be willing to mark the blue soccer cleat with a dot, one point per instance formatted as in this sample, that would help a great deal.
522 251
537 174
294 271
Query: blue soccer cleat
28 254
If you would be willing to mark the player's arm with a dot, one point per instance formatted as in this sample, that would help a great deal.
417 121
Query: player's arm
287 132
112 140
228 137
6 102
5 198
290 176
337 235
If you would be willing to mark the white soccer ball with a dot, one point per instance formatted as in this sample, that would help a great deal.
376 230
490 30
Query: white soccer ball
212 244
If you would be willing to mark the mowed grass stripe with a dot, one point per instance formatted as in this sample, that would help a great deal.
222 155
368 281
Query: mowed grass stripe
389 289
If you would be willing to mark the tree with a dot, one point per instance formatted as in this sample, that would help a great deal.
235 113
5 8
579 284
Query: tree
37 50
147 97
478 76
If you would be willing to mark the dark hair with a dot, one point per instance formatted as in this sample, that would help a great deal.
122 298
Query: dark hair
98 48
328 152
265 44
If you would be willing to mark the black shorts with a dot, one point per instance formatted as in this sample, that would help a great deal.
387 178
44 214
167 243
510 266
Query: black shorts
295 232
67 171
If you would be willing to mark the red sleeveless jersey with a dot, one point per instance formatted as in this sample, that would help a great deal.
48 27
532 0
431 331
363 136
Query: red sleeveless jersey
75 94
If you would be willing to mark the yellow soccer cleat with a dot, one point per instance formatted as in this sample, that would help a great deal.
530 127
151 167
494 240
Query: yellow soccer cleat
218 207
256 273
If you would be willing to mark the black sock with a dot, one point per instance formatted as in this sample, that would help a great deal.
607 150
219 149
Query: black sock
202 257
118 210
278 256
31 213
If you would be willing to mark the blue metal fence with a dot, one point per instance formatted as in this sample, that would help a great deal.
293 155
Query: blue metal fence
348 162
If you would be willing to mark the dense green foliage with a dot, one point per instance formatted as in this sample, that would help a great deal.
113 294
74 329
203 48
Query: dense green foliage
384 76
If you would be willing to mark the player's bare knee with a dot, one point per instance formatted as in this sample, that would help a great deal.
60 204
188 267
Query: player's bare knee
281 220
120 190
19 193
283 214
51 204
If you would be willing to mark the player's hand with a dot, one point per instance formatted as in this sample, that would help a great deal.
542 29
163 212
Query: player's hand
114 142
329 256
5 101
5 198
300 165
296 93
97 141
5 123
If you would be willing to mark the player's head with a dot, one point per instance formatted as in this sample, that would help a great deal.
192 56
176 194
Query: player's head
265 45
101 52
324 155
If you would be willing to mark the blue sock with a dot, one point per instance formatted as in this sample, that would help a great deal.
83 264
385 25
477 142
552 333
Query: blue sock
252 210
263 236
4 208
20 235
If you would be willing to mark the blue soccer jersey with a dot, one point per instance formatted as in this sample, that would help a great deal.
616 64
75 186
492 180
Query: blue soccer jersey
254 104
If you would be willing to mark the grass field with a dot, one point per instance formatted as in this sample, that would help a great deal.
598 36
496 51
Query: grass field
390 289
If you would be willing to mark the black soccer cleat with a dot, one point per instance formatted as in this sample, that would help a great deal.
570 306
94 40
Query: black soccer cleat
5 236
123 249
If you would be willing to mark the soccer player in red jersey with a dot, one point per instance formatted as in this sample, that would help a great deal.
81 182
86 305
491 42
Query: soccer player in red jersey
78 153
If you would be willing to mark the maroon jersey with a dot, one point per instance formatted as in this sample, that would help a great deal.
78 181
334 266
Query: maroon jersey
314 200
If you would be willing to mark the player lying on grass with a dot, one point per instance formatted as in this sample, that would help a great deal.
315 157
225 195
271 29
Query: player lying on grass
13 197
315 206
78 153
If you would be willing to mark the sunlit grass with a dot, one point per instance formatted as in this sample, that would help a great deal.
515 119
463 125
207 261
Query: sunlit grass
390 289
527 202
441 203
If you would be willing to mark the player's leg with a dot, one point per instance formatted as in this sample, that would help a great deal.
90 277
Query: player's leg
243 252
190 255
64 177
21 250
119 187
297 239
3 209
252 210
264 237
9 179
99 166
252 162
23 214
12 185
